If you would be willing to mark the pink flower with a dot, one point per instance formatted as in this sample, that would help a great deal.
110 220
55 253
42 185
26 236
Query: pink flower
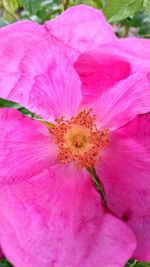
50 212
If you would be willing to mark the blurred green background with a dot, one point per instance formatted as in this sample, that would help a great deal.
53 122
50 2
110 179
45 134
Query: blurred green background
128 18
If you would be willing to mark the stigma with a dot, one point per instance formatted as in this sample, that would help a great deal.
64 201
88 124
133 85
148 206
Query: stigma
79 140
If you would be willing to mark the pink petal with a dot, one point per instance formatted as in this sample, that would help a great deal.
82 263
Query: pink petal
141 228
81 28
137 51
15 40
56 219
137 47
124 170
98 71
48 85
139 129
25 145
133 50
120 104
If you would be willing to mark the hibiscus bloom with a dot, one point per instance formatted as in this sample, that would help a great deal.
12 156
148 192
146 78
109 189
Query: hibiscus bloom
50 211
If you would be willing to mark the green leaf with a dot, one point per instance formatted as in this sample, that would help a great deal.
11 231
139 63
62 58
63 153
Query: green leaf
93 3
1 4
10 5
133 263
8 104
31 5
146 7
7 16
121 9
27 112
5 263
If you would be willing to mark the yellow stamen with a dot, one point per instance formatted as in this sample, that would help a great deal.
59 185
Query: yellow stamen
79 140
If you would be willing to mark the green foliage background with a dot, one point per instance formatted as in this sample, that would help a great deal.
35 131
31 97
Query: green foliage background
128 18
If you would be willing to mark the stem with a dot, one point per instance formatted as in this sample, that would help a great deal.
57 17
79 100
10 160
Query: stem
65 4
126 31
97 183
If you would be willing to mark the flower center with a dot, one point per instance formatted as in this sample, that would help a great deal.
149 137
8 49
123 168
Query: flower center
79 140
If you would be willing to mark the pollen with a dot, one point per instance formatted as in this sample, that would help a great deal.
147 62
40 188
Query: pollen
79 140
